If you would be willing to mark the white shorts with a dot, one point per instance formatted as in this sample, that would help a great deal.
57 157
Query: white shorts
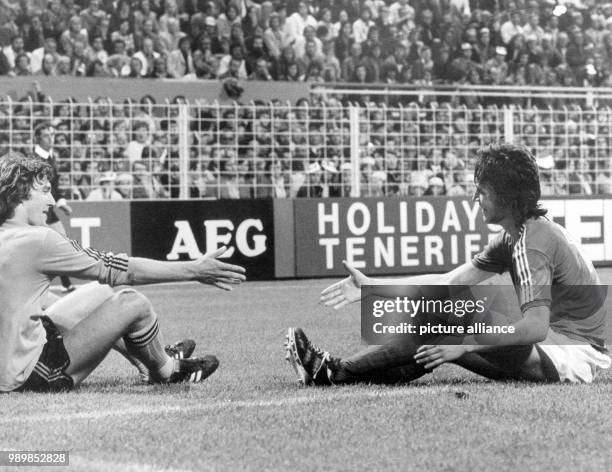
575 362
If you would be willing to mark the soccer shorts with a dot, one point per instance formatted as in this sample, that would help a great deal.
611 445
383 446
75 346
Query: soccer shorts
52 216
575 362
49 374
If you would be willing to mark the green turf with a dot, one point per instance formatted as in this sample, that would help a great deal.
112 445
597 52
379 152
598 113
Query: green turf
251 416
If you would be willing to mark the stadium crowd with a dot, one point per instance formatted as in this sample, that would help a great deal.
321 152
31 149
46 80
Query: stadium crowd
133 149
362 41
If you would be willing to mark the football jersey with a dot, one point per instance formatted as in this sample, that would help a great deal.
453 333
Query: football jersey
30 257
549 269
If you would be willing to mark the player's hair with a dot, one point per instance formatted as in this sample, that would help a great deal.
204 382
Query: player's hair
17 176
511 172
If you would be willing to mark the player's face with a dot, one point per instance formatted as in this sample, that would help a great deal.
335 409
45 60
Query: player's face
39 203
492 212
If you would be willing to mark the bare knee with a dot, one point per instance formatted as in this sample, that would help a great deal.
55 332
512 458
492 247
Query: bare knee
132 304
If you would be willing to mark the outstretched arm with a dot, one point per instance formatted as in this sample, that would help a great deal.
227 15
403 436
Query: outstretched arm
206 269
349 290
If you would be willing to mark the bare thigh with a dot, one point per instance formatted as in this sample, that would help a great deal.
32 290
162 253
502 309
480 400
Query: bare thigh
66 312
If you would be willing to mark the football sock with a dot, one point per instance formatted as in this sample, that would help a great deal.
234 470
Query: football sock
147 346
391 363
121 348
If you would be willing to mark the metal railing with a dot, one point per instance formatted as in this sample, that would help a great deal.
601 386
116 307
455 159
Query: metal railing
209 150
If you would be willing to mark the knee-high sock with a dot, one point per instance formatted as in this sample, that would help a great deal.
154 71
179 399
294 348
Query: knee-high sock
391 363
147 345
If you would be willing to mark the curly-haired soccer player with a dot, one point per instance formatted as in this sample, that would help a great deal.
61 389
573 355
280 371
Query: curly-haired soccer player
56 348
558 338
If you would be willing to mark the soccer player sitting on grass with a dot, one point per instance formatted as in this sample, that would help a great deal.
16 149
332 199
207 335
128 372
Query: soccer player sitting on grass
56 348
558 338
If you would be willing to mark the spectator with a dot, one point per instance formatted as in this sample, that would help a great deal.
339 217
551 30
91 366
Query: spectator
36 57
298 21
139 147
511 28
147 56
106 189
146 185
14 49
227 20
118 62
261 71
362 25
180 61
275 38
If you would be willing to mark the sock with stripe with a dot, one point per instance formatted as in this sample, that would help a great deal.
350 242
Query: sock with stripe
147 345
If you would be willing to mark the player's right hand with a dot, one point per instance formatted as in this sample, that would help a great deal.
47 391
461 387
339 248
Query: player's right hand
210 270
346 291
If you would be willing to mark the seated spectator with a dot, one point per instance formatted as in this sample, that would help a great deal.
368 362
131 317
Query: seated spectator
180 61
299 20
146 185
106 189
118 62
275 38
147 56
233 65
139 147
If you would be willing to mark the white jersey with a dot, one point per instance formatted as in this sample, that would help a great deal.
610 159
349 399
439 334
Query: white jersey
30 257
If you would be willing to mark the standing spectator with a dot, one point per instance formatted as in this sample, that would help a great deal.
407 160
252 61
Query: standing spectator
180 61
139 147
344 42
43 137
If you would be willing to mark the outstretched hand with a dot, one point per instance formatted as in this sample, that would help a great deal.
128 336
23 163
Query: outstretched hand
346 291
210 270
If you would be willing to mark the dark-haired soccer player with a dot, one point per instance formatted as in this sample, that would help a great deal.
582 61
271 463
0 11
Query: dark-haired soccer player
56 348
558 338
43 149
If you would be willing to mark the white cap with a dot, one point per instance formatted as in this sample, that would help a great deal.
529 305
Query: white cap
108 177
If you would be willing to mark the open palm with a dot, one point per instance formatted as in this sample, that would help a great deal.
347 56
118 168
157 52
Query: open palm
346 291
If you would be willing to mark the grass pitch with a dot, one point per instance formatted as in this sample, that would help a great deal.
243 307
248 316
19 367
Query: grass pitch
250 415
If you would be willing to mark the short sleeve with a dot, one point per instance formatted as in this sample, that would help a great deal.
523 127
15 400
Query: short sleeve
493 258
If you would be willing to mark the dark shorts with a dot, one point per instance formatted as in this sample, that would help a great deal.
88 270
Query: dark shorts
52 216
49 374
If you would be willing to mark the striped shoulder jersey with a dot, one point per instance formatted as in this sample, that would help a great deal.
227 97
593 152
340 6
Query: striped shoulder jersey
548 268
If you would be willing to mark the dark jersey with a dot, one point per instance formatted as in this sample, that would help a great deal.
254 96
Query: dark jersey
549 269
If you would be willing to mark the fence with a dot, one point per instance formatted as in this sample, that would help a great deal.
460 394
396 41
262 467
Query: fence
203 150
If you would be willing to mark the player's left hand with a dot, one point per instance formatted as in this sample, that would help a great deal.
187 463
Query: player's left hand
67 209
431 356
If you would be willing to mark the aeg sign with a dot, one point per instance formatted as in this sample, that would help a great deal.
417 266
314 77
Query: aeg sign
187 229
